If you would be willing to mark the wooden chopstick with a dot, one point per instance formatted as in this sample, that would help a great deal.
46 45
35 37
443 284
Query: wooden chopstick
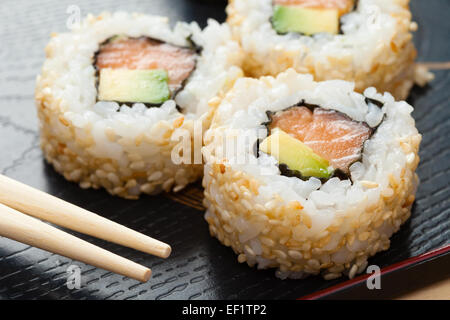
49 208
20 227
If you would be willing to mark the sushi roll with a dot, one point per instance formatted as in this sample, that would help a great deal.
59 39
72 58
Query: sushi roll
368 42
121 95
309 177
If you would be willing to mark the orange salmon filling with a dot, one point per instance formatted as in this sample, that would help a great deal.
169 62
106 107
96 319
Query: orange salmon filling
147 54
331 134
344 6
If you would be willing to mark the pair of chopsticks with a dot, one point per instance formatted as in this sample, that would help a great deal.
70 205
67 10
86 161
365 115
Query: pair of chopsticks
18 202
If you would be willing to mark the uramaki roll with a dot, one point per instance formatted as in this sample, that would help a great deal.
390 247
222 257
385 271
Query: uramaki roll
322 179
118 93
368 42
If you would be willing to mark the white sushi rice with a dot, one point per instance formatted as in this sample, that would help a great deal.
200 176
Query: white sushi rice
127 150
308 227
375 49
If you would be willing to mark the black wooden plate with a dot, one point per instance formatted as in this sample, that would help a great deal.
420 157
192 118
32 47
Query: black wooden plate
200 267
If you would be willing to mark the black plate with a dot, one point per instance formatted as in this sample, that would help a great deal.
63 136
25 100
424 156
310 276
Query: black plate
200 267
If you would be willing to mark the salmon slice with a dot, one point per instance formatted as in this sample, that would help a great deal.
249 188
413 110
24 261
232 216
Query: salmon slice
344 6
329 133
148 54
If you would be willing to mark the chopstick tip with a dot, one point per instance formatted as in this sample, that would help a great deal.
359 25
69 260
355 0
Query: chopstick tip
147 275
166 251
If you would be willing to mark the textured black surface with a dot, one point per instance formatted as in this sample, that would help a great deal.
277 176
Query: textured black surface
199 268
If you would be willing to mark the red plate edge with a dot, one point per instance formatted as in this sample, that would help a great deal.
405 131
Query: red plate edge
385 270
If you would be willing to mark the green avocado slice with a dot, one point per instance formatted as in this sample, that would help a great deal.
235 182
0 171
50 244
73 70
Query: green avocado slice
125 85
295 155
305 20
